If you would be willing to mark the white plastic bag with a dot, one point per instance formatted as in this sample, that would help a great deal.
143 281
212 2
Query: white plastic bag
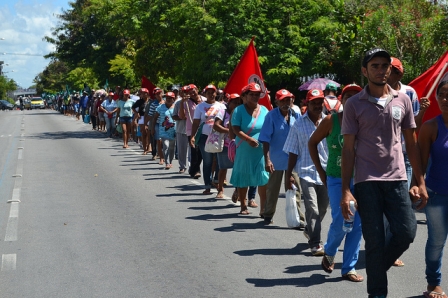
292 215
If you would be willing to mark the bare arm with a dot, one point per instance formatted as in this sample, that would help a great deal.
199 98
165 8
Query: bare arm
194 130
289 180
424 105
321 132
347 166
153 122
413 150
243 136
269 166
218 126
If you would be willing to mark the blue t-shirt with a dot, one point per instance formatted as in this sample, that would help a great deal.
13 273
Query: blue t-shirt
125 108
167 126
275 130
109 105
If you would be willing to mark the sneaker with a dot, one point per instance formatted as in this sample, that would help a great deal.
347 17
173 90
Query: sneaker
317 250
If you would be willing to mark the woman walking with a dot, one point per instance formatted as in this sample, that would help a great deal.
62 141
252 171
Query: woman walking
248 168
204 118
125 112
109 108
163 116
433 142
222 124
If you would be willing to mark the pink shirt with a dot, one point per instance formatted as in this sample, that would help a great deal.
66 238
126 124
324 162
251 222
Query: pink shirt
377 129
189 108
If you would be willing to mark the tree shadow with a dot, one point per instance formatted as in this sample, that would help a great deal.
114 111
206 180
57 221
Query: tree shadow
243 227
216 207
293 251
301 282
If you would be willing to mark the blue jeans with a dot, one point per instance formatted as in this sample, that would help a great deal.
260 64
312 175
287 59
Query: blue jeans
83 112
207 162
437 223
335 232
110 126
407 163
375 199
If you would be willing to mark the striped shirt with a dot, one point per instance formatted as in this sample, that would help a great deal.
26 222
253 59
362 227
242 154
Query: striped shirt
297 143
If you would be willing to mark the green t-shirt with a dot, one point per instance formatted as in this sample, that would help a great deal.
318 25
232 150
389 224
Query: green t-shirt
335 141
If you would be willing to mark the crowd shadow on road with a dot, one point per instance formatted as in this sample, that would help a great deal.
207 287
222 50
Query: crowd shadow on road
64 135
242 227
293 251
301 282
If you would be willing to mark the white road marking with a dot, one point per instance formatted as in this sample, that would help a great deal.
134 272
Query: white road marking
9 262
15 196
11 228
196 182
20 156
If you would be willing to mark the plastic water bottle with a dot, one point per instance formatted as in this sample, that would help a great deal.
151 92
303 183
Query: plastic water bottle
347 226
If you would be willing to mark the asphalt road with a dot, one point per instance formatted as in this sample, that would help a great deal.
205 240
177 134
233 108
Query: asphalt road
87 218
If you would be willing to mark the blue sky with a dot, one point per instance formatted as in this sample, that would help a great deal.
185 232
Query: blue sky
23 24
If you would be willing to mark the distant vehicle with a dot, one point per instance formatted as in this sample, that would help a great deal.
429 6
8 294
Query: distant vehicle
6 105
37 103
27 104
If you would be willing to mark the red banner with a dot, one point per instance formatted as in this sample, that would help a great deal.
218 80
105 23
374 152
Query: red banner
426 84
248 71
148 85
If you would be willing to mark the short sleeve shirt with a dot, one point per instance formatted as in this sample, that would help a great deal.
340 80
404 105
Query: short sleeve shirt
275 130
377 130
166 123
125 108
207 113
180 124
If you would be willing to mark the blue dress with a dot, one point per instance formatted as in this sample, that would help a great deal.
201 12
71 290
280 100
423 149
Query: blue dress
248 168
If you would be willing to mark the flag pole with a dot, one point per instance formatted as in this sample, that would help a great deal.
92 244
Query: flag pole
437 80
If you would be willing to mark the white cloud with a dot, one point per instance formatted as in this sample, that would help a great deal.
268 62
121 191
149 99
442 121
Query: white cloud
23 25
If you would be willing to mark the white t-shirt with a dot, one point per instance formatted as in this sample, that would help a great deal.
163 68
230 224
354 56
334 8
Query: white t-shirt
207 113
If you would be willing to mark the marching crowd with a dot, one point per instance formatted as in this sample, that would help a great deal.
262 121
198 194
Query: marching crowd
357 148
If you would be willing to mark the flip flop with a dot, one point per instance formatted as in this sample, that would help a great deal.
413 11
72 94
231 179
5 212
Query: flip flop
244 212
352 276
439 294
207 192
220 195
398 263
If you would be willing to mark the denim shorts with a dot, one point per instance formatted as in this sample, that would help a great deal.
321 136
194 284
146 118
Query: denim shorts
223 159
126 120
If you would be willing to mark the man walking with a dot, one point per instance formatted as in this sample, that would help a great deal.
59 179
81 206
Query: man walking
315 194
373 121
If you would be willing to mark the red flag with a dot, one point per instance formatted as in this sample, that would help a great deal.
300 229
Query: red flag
148 85
425 85
248 71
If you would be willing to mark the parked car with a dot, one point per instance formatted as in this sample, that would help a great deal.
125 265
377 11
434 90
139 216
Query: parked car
37 103
6 105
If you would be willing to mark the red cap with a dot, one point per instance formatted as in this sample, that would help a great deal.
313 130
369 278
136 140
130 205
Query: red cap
144 90
111 94
126 92
233 96
397 64
282 94
210 87
254 87
314 94
351 87
170 94
156 90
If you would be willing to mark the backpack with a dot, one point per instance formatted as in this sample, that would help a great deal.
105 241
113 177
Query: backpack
332 110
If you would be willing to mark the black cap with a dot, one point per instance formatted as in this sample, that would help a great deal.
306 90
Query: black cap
375 52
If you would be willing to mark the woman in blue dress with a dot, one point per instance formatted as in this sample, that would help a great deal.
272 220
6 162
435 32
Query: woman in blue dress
248 168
